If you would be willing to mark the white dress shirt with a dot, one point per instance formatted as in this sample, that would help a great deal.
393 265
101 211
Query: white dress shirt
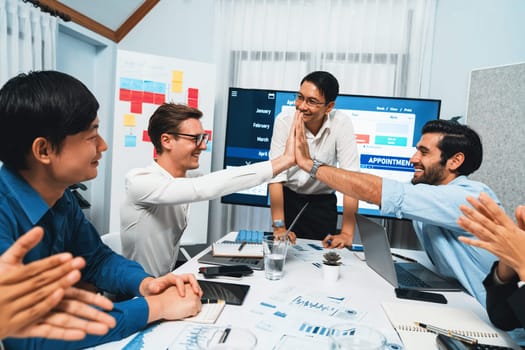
333 145
154 213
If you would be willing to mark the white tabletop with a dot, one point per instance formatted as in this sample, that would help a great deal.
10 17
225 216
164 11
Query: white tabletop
300 299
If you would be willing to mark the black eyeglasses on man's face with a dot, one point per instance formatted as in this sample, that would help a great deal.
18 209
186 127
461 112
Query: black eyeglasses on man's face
199 138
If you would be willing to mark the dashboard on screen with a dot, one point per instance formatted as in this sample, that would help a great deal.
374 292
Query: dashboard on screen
387 130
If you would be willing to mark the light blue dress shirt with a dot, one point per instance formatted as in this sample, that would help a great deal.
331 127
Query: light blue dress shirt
434 211
67 229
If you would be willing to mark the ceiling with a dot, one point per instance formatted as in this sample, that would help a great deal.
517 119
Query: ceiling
111 14
112 19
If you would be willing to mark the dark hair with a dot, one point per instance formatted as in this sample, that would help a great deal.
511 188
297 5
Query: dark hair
325 82
457 138
45 104
167 118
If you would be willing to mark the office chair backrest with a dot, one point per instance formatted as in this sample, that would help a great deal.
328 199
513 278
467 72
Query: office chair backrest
112 240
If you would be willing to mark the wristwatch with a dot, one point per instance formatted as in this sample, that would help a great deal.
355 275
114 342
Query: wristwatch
278 223
315 167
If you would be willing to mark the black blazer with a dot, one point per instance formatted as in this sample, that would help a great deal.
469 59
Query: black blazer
505 303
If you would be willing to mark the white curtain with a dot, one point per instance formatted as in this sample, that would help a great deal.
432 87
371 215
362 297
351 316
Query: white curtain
27 39
373 47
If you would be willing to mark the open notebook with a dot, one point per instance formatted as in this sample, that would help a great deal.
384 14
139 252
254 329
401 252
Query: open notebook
404 315
248 243
234 249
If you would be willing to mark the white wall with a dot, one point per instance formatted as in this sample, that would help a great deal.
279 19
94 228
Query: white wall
175 28
472 34
469 34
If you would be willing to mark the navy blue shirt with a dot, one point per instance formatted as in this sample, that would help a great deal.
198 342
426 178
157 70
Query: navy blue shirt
66 229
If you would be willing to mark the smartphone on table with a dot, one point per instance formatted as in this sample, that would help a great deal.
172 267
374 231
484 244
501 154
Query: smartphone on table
230 271
406 293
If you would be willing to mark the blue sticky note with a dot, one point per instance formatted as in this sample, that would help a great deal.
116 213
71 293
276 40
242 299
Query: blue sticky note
126 83
149 86
136 84
130 141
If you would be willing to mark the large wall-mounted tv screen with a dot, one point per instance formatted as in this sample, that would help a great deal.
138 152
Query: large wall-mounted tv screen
387 130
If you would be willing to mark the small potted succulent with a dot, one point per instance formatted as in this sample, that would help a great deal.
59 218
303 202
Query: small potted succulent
331 263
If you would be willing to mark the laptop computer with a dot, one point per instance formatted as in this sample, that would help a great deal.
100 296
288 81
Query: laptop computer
410 275
254 263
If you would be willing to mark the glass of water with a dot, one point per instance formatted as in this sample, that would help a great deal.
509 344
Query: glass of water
356 337
274 256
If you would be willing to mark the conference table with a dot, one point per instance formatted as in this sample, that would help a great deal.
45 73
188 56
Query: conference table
284 314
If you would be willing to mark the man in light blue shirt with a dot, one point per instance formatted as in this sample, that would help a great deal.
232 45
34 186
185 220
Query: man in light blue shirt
446 154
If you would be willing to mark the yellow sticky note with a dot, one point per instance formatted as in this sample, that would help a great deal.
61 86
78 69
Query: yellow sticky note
176 86
176 75
130 120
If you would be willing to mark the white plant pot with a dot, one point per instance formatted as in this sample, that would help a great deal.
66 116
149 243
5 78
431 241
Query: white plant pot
330 272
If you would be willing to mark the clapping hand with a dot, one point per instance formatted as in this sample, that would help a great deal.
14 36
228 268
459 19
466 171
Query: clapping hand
38 300
496 232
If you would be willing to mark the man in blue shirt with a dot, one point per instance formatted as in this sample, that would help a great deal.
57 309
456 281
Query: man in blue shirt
48 141
446 154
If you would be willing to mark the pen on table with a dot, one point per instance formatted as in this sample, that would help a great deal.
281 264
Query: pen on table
452 334
225 335
242 245
211 301
404 257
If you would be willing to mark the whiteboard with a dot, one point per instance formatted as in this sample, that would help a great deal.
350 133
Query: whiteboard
143 82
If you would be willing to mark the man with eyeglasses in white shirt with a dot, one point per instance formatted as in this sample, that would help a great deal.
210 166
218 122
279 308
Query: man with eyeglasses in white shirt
154 213
331 140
